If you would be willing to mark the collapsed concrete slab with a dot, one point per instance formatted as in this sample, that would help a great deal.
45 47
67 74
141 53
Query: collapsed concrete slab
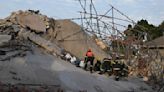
71 36
64 33
33 21
53 48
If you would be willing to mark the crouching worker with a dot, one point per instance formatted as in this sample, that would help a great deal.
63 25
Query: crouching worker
120 69
106 66
89 59
124 69
97 65
117 69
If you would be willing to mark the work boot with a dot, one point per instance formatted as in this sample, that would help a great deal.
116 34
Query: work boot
101 72
117 78
91 70
85 67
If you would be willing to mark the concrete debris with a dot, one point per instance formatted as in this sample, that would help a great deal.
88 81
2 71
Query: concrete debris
56 34
30 20
4 38
11 51
53 48
34 22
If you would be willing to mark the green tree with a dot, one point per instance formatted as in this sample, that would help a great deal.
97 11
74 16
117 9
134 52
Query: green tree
143 27
161 27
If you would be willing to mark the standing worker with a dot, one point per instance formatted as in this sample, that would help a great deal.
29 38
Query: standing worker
89 58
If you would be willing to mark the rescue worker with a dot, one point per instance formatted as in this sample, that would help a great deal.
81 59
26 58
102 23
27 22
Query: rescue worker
106 66
97 65
120 69
117 68
124 69
89 59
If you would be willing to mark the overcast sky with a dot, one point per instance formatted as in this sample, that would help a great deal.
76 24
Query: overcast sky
152 10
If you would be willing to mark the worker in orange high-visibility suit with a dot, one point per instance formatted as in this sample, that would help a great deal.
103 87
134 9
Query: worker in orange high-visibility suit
89 58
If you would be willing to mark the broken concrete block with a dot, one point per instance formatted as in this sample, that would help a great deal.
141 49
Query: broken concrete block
32 21
4 38
53 48
16 28
23 33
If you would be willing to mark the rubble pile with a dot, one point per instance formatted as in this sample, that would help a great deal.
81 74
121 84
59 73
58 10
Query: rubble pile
28 26
24 31
13 49
53 35
148 65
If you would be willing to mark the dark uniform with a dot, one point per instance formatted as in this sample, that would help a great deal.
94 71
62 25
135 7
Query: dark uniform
106 66
117 69
120 69
97 65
